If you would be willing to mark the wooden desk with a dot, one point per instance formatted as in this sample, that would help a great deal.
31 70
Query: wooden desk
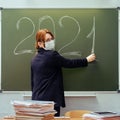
87 118
56 118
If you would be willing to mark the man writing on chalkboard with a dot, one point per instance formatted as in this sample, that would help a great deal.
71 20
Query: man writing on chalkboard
46 70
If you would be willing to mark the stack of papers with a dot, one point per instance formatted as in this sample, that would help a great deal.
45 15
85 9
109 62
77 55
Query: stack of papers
31 109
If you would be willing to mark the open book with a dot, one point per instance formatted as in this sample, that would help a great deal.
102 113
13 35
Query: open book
102 114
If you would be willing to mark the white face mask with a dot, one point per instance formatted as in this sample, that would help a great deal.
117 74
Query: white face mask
50 45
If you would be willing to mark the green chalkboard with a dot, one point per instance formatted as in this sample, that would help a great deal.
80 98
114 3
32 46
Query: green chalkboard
78 32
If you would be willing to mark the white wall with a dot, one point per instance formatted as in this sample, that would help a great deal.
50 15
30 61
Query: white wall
100 102
96 101
60 3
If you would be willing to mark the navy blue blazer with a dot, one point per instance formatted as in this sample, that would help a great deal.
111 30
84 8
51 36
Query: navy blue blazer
46 75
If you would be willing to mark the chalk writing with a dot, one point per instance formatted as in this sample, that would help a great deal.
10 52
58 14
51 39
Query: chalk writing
60 23
41 19
90 34
22 41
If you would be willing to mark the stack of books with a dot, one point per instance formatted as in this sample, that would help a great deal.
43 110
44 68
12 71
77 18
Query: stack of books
30 109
